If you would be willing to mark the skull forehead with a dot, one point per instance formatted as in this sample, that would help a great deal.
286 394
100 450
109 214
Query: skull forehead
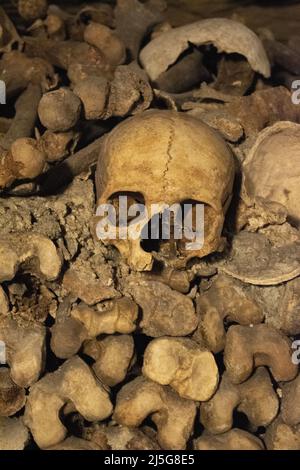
167 156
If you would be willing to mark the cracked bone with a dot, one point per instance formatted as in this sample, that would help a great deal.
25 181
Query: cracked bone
225 34
150 157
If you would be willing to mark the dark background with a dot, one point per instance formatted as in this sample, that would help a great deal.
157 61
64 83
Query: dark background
281 16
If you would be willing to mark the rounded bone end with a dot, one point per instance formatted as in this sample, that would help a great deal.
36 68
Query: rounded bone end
12 397
183 365
235 439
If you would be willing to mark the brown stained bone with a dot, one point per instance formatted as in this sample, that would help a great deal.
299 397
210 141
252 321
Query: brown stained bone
5 124
183 75
67 337
4 304
18 71
59 110
104 39
29 252
55 27
60 24
94 93
134 20
294 41
272 168
283 55
227 125
261 345
20 156
58 53
64 173
130 92
14 435
212 92
75 325
117 437
181 363
235 76
165 311
72 382
226 300
173 416
25 118
116 316
256 214
37 233
264 108
12 397
31 10
281 436
8 36
256 111
67 334
75 443
287 314
157 171
26 349
113 356
255 398
235 439
83 285
281 305
177 280
58 145
254 260
290 409
65 54
25 161
217 118
227 35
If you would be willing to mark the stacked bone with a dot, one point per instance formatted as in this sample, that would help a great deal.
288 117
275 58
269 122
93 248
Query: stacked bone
103 334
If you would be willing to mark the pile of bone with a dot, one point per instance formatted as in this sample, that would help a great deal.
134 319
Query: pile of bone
124 343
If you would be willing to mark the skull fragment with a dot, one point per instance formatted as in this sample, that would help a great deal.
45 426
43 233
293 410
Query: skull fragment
160 159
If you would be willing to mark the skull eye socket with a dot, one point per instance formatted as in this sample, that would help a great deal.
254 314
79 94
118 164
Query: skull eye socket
124 201
169 231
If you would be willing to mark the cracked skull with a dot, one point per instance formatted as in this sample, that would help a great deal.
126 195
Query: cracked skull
159 160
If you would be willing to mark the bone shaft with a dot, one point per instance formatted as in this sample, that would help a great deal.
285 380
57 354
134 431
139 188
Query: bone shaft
284 56
72 166
25 117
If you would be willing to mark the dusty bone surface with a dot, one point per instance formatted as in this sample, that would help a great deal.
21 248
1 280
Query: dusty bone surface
161 343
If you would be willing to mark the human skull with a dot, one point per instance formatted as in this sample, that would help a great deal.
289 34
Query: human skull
272 168
166 158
